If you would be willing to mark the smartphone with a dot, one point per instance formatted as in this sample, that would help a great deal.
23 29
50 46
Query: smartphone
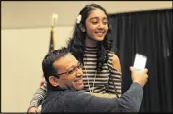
140 61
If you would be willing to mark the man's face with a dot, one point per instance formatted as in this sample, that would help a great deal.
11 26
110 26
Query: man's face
72 76
96 25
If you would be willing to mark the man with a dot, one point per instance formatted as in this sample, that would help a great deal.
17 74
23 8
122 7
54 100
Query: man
64 76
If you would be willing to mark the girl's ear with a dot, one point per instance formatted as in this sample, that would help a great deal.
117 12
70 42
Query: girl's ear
82 28
54 81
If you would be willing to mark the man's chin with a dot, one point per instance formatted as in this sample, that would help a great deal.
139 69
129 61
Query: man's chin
80 87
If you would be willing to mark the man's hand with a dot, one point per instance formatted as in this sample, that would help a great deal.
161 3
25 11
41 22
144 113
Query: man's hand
34 110
139 76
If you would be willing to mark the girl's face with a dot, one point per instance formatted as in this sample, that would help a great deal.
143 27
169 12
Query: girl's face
96 25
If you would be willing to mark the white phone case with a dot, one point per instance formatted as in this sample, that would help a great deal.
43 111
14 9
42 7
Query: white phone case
140 61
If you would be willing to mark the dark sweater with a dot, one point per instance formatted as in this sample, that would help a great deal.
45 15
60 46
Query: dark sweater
60 100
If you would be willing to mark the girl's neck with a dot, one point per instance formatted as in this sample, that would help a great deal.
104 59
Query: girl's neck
90 43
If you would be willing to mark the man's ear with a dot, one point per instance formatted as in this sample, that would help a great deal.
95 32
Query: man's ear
82 28
54 81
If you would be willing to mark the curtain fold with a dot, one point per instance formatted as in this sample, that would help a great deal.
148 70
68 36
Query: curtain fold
149 33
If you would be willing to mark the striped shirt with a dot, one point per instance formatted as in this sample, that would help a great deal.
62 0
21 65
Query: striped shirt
94 81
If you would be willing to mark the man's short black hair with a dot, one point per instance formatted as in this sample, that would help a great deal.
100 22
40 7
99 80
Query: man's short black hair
49 59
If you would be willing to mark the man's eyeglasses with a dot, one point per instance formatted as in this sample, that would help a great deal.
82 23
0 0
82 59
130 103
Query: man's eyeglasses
71 71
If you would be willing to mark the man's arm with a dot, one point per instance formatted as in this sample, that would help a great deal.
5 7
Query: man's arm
130 101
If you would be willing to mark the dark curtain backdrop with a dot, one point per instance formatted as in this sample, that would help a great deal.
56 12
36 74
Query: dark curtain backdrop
149 33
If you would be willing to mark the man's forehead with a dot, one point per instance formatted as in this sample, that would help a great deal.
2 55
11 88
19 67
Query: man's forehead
68 56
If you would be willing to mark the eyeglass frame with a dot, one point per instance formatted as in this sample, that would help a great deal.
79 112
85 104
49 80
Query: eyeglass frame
79 66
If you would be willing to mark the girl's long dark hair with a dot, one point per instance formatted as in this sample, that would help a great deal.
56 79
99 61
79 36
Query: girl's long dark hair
77 43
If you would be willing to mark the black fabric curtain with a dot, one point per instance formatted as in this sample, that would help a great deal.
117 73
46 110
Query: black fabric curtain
149 33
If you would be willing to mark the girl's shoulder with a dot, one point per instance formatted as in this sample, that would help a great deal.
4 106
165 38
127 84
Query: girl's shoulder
114 59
